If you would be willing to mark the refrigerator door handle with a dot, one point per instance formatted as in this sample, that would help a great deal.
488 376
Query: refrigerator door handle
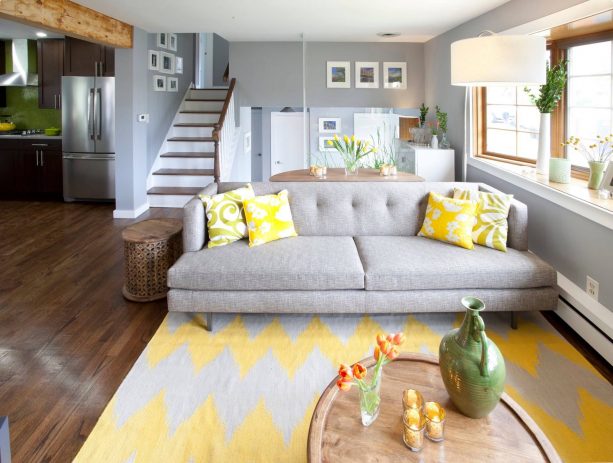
98 113
90 114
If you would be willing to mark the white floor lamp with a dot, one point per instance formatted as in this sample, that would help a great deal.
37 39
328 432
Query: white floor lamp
491 59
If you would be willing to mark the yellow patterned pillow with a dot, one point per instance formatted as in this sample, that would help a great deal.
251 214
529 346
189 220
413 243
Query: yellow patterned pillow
269 218
491 227
449 220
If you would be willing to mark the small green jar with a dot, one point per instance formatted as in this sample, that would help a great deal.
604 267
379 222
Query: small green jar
471 365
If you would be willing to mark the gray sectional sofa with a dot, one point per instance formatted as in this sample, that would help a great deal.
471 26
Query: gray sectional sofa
358 251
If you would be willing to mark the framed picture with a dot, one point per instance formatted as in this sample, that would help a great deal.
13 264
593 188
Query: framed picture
167 63
367 74
172 42
324 146
154 60
173 84
162 40
329 124
607 181
338 74
159 83
178 65
395 75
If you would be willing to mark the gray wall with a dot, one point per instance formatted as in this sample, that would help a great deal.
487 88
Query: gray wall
270 73
162 106
221 58
318 53
267 73
574 245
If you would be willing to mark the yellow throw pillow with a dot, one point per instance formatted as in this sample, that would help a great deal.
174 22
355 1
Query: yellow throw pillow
225 216
491 227
449 220
269 218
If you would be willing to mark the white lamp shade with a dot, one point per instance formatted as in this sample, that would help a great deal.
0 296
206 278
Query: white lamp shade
510 60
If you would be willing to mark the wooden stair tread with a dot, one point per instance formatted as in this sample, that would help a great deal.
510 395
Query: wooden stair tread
212 100
195 124
192 139
188 154
213 88
200 112
174 190
207 172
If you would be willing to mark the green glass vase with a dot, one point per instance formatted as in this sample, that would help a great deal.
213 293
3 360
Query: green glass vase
596 174
471 365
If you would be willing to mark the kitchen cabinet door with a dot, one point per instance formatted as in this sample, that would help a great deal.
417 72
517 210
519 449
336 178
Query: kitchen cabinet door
7 172
50 172
108 65
82 58
26 172
50 70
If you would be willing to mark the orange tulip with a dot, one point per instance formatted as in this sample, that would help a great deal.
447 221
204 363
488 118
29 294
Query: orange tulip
399 339
385 346
344 371
343 385
389 338
380 338
393 353
377 353
359 371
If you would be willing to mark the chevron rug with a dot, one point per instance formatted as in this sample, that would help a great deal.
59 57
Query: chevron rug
246 392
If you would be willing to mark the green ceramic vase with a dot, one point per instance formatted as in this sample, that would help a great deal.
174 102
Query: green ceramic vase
471 365
596 174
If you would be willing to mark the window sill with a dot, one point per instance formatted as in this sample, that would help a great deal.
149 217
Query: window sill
574 196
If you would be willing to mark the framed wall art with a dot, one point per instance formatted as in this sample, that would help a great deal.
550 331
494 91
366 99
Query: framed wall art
338 74
167 62
367 74
159 83
162 40
324 146
154 60
172 42
395 75
329 124
172 84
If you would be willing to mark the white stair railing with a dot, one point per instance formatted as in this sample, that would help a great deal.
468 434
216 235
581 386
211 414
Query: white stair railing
225 134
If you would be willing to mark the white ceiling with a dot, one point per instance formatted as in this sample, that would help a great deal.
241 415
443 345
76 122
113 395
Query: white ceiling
14 30
319 20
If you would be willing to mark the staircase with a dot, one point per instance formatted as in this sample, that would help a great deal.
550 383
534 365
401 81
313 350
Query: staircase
191 157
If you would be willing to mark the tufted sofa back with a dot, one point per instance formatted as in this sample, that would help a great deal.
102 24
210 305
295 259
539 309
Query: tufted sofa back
356 208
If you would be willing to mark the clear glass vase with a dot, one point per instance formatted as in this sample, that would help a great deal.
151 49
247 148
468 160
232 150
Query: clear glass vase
370 398
351 169
444 143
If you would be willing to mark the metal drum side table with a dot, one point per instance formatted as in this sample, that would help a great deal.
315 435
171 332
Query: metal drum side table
150 248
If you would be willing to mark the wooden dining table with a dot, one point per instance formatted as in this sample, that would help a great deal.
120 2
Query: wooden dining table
338 175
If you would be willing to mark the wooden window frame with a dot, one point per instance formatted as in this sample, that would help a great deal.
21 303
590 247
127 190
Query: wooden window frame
559 50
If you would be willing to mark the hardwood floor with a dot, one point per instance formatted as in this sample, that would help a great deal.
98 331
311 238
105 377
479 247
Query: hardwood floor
67 336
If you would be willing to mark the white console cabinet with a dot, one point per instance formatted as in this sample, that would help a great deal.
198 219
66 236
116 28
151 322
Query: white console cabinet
434 165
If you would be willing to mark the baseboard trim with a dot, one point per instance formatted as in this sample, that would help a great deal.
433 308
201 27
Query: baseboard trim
130 213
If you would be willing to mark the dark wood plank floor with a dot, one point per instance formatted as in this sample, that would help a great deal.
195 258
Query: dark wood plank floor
67 336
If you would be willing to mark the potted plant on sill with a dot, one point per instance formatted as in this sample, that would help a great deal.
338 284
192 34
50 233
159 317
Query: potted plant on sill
547 100
597 154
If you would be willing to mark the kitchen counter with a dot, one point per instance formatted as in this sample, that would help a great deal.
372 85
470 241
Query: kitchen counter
38 136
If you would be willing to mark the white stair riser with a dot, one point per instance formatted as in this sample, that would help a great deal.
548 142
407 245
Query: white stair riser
197 118
182 180
202 105
186 163
187 146
192 131
213 94
168 200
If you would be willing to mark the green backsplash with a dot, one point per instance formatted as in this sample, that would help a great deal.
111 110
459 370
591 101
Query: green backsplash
22 103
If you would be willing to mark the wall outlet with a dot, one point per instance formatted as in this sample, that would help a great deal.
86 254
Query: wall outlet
143 118
592 287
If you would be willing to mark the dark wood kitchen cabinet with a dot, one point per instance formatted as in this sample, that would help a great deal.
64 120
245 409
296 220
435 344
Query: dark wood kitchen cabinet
50 70
2 71
83 58
31 168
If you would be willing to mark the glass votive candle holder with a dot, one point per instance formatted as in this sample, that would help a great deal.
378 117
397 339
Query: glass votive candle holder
384 170
413 426
312 169
319 172
435 421
412 399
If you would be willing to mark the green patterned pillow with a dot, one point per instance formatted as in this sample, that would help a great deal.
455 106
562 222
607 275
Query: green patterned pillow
491 226
225 215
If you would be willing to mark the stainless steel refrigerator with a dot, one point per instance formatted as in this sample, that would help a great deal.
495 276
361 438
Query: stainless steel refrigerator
88 138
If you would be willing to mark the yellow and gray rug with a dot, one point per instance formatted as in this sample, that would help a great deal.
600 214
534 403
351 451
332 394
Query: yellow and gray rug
246 392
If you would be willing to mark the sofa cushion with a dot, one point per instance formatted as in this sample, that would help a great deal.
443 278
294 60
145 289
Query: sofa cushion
299 263
413 263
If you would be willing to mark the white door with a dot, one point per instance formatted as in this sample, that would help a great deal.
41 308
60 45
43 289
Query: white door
286 142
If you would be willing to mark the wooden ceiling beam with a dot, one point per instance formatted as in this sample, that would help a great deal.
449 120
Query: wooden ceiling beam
69 18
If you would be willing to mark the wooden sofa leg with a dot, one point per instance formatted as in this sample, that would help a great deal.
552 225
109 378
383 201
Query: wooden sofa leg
209 321
514 320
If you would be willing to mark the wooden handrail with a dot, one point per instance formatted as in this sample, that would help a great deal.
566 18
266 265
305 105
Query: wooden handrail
218 127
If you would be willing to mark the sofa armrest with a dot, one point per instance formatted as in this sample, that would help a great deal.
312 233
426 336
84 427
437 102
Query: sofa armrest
518 221
194 221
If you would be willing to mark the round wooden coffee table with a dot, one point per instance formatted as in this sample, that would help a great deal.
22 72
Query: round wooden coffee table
150 249
337 435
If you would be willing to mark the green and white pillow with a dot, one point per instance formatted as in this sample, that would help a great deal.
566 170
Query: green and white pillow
225 215
491 227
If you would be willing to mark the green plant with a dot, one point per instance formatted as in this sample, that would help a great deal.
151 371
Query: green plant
441 118
351 150
385 153
551 91
423 113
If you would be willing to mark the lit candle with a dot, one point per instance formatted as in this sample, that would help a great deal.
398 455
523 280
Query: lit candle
312 169
384 170
413 429
412 399
435 421
319 172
